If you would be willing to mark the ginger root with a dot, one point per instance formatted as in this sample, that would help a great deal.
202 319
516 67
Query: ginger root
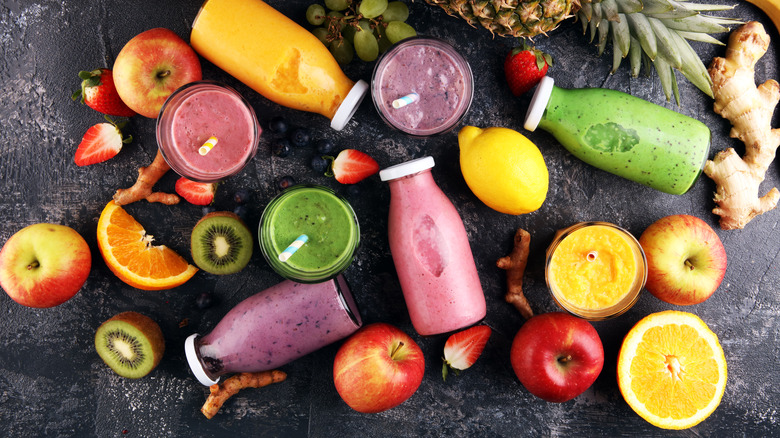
515 264
142 189
222 391
749 109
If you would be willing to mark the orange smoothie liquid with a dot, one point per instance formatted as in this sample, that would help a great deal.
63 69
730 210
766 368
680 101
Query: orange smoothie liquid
596 270
270 53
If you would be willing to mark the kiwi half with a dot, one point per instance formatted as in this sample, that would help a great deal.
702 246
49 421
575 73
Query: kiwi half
131 344
221 243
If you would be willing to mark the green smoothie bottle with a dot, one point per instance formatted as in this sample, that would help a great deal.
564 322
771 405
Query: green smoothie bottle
623 134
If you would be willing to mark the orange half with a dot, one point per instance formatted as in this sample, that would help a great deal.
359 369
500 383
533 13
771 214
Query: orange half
129 253
672 370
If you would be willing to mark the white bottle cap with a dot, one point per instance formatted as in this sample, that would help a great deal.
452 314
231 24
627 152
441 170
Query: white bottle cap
538 103
349 105
407 168
195 365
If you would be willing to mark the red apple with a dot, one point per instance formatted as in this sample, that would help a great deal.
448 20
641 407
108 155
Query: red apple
151 66
44 265
377 368
557 356
686 260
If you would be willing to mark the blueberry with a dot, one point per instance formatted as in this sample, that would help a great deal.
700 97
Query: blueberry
208 209
241 211
286 181
281 148
299 137
204 300
241 196
319 164
325 146
278 125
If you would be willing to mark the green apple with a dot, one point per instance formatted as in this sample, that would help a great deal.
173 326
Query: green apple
151 66
44 265
686 260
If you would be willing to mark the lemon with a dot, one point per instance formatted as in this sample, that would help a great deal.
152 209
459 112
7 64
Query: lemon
503 168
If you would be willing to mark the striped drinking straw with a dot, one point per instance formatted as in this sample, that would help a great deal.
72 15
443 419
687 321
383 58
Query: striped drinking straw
207 145
406 100
295 246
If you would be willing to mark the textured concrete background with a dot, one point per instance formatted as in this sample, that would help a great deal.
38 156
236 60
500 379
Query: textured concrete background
53 383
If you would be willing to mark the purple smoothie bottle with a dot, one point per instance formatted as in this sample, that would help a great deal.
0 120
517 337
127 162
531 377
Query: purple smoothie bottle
273 328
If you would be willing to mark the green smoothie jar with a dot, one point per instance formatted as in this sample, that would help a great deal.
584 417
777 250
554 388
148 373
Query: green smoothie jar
623 135
327 221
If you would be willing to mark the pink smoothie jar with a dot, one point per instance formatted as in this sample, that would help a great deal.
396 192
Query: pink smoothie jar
422 86
207 131
273 328
431 252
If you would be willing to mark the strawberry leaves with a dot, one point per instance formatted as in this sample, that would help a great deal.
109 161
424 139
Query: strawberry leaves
99 93
462 349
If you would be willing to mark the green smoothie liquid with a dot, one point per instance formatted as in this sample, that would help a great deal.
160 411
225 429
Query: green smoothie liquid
327 220
626 136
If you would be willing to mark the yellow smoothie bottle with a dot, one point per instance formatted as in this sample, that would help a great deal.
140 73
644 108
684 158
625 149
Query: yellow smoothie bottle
276 57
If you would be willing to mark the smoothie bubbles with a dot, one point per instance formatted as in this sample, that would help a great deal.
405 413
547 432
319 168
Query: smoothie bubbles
276 57
422 86
431 252
207 131
623 134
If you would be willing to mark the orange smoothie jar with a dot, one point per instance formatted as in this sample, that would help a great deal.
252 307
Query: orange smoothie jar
276 57
595 270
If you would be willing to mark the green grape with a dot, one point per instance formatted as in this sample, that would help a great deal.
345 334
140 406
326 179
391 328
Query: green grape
322 34
349 32
382 40
337 5
372 8
365 24
396 11
398 30
342 50
315 14
366 45
338 18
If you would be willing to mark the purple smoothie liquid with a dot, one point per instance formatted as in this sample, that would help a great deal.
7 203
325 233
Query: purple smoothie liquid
279 325
436 73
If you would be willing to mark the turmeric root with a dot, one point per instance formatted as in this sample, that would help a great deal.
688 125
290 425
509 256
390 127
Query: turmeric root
142 189
749 109
514 264
222 391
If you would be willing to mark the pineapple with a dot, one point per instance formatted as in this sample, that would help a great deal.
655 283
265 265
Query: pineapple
649 32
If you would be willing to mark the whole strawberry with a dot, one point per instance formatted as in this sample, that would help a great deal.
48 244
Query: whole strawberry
98 92
524 67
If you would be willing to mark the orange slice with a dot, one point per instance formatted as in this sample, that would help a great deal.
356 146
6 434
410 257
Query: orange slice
129 253
671 369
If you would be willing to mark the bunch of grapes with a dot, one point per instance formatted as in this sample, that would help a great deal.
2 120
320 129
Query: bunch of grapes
367 27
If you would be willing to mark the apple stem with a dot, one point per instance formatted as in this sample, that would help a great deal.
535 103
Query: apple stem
564 359
164 74
688 264
395 350
33 265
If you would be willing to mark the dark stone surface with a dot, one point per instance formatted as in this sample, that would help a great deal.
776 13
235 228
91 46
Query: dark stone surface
53 383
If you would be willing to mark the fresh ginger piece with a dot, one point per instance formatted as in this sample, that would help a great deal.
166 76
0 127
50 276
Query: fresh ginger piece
515 264
749 109
222 391
142 189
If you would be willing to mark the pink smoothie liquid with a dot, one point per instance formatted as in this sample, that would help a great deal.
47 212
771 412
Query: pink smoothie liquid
439 77
198 112
275 327
431 252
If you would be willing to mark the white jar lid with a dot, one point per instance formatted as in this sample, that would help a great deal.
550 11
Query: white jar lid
195 365
407 168
538 103
349 105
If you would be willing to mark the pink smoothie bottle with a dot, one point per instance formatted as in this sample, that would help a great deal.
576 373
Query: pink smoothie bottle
431 252
274 327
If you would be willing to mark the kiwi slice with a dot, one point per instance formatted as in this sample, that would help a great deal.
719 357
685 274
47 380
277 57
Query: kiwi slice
221 243
131 344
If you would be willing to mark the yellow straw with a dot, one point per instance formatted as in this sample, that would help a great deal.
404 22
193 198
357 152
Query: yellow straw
210 143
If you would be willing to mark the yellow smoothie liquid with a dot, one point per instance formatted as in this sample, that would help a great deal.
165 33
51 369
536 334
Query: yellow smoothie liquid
595 270
275 56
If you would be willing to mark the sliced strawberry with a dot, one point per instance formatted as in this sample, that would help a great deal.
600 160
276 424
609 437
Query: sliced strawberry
524 67
196 193
352 166
100 142
462 349
99 93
